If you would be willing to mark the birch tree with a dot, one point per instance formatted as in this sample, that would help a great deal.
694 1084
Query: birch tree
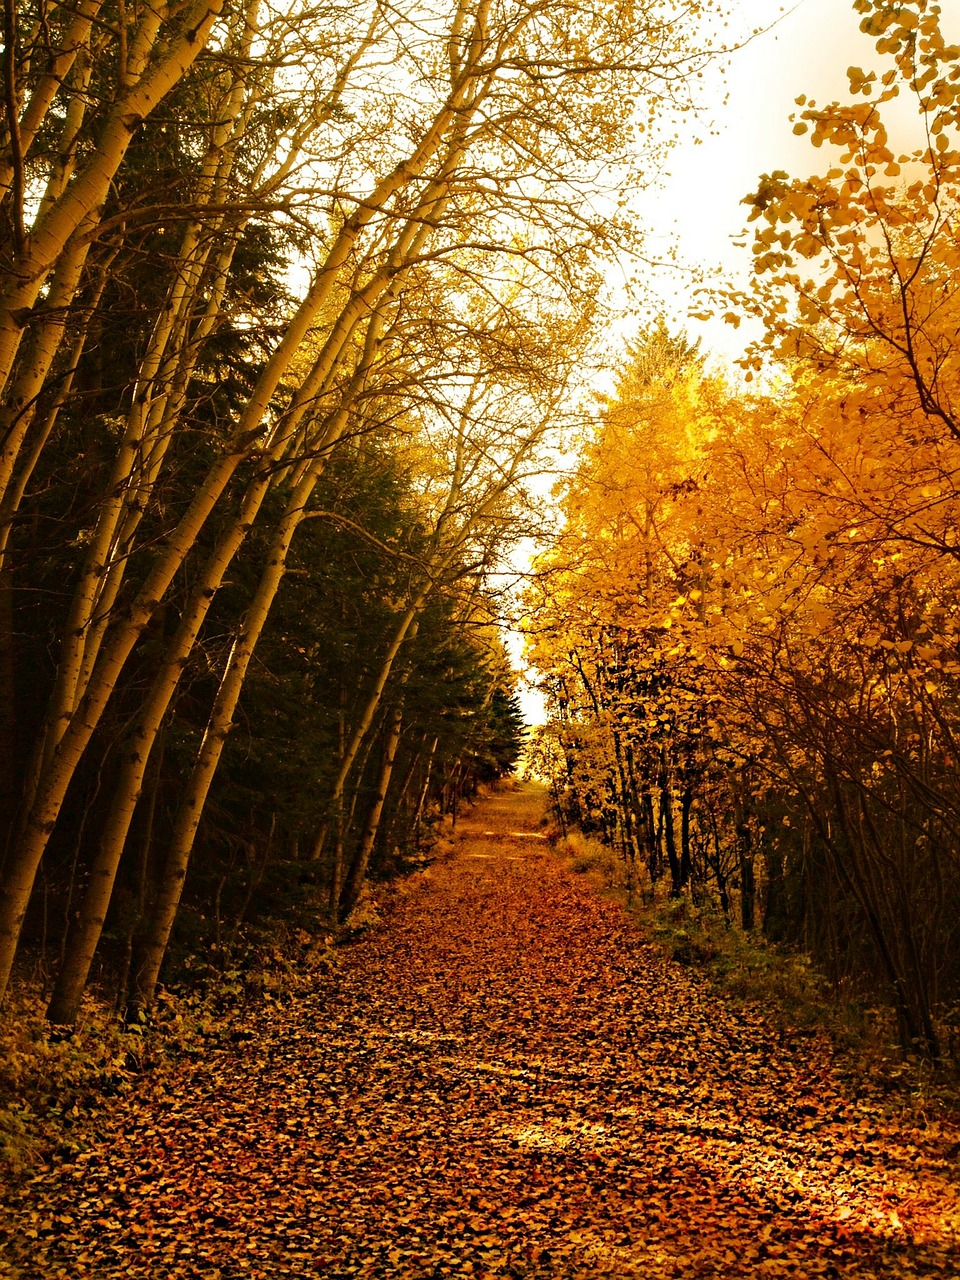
418 145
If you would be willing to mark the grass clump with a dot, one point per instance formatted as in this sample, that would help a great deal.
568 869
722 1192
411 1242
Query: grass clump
56 1081
745 965
58 1084
587 856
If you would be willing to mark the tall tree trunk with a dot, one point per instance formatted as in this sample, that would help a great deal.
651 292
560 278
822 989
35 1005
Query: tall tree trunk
142 878
88 925
424 789
748 880
651 836
686 859
231 686
60 221
407 626
669 829
353 884
214 738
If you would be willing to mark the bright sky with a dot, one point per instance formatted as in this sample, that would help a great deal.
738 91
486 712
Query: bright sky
807 52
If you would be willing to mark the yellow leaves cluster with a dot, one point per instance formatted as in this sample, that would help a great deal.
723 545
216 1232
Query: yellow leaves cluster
870 238
761 595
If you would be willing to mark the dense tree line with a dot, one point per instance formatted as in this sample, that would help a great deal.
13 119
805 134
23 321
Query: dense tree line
290 300
446 720
748 627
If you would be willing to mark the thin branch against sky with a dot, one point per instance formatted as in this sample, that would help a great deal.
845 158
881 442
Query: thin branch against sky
806 49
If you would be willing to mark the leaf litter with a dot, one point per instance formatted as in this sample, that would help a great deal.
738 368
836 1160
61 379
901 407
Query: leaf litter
502 1080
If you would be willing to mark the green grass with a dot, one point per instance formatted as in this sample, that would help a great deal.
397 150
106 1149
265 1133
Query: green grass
55 1082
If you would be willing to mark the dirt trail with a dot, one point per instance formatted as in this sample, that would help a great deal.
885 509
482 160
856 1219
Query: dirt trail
503 1080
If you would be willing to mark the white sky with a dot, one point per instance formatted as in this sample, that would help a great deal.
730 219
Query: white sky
697 209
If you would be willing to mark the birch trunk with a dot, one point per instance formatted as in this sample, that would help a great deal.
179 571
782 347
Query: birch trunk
88 926
61 220
79 726
470 82
425 789
406 626
221 717
211 749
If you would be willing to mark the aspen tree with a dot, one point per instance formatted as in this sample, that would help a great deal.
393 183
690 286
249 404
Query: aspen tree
230 689
467 107
162 46
349 895
366 303
82 942
248 437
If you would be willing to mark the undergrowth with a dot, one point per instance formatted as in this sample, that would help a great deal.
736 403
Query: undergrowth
746 967
58 1084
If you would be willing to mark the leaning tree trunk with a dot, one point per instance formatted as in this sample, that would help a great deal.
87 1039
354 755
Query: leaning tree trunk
55 778
407 626
356 876
231 686
211 749
59 221
86 929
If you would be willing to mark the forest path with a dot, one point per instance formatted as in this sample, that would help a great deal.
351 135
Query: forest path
503 1080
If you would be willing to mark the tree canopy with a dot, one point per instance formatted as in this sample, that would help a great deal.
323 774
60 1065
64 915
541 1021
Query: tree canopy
291 300
747 628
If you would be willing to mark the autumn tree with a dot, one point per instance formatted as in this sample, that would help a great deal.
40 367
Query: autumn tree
623 669
811 554
443 147
249 871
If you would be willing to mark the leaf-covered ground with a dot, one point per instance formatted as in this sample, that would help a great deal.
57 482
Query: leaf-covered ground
503 1080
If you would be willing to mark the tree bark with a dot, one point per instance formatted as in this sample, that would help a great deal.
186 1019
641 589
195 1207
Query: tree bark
61 220
353 885
75 730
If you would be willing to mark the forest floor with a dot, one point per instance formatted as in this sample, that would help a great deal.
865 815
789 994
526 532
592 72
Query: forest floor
503 1079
